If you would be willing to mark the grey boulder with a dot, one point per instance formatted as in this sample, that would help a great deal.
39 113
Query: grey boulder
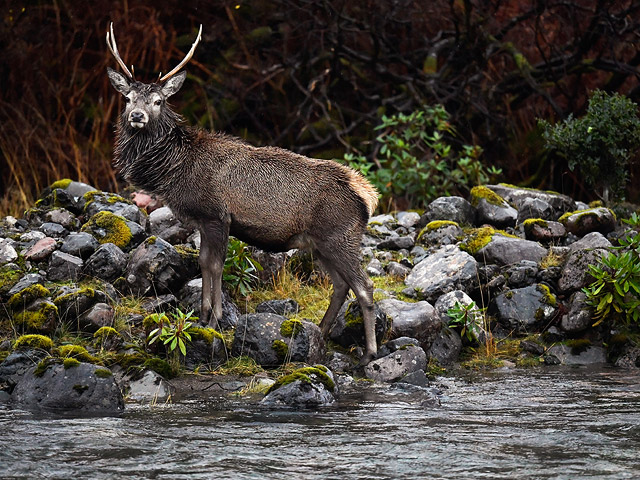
82 389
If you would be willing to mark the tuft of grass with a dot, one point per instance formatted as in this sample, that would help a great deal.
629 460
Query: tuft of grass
390 284
313 298
241 366
552 259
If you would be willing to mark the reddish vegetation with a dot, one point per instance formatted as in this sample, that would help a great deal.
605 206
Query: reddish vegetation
309 75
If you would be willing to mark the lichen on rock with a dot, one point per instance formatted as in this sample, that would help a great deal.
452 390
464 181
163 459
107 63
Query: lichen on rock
108 227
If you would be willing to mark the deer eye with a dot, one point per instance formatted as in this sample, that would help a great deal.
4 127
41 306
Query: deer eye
157 102
127 99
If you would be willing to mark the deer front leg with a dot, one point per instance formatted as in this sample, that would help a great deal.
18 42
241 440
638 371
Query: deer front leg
213 249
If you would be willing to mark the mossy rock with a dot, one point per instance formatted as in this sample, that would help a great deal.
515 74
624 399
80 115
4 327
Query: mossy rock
9 275
291 328
306 375
161 367
103 373
478 238
74 295
104 332
72 302
581 222
348 328
485 193
548 297
435 225
131 360
108 227
44 364
104 197
77 352
281 349
63 184
33 342
530 223
28 295
41 316
70 363
208 335
578 345
189 255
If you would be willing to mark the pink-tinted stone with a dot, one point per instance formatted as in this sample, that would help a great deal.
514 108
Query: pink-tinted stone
41 250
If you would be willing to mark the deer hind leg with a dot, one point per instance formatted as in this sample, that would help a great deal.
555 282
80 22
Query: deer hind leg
213 249
340 290
345 262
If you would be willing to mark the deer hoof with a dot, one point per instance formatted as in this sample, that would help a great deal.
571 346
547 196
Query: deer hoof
366 358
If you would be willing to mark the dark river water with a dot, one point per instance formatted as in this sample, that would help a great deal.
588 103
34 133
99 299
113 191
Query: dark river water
555 423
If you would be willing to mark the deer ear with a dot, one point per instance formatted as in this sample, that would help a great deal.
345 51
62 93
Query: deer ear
119 81
172 85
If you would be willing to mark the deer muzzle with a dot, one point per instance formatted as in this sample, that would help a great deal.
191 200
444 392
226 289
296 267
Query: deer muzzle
138 119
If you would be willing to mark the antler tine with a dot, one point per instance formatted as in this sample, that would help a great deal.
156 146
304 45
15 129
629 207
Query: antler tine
113 48
186 59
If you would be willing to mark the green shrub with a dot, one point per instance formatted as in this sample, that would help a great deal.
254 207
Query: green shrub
173 332
601 143
416 160
240 267
614 295
468 319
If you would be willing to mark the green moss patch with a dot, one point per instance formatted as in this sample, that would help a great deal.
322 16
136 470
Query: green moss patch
481 192
281 349
104 332
36 342
161 367
27 295
304 375
578 345
63 184
103 373
208 335
71 297
70 363
590 212
435 225
42 317
80 388
108 227
291 328
9 276
131 360
43 365
77 352
548 297
478 238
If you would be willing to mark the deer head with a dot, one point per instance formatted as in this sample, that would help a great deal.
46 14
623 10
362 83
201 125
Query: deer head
145 102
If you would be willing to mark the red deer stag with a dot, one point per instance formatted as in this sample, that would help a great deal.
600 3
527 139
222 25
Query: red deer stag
269 197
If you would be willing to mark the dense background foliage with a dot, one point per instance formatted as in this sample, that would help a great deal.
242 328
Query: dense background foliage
315 76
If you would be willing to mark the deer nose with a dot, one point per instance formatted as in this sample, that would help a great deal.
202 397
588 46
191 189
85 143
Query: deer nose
137 117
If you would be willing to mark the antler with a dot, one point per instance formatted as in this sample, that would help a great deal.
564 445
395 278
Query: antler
186 59
113 48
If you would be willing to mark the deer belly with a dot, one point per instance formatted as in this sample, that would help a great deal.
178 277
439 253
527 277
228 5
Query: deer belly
271 238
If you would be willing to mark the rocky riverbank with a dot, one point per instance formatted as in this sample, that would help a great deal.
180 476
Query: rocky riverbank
86 276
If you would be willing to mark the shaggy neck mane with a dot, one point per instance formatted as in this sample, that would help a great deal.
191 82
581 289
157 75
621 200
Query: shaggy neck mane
147 157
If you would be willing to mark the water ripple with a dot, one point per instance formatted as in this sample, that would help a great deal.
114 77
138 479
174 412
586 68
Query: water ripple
552 424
